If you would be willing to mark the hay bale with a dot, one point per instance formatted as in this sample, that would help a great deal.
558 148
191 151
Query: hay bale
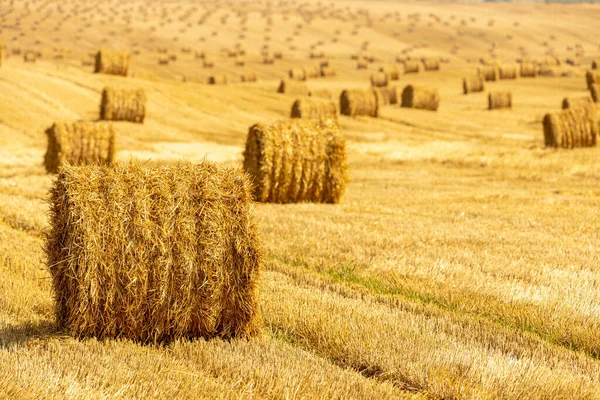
207 63
327 71
570 128
79 143
412 67
489 72
314 108
431 64
499 100
120 104
420 97
528 70
112 62
289 86
596 64
218 79
312 72
592 78
163 60
474 83
297 74
297 161
391 71
30 56
362 64
357 102
248 77
577 102
153 254
379 79
386 95
322 93
508 72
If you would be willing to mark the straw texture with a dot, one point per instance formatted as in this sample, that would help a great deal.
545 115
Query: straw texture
120 104
570 128
112 62
355 102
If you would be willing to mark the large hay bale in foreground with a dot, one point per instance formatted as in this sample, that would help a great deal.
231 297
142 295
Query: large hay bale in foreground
577 102
153 254
592 78
297 161
508 72
489 72
356 102
112 62
79 143
379 79
289 86
120 104
387 95
314 108
412 67
217 79
474 83
499 100
420 97
528 70
570 128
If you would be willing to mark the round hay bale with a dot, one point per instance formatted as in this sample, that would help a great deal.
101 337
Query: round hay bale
592 78
356 102
218 79
386 95
391 71
112 62
595 92
289 86
297 161
79 143
268 60
570 128
528 70
412 67
379 79
154 254
362 64
312 72
499 100
297 74
489 72
207 63
431 64
163 60
29 56
420 97
577 102
119 104
314 108
327 71
248 77
473 84
508 72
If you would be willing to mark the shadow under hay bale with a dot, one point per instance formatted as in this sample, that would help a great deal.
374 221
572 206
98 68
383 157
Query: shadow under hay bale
528 70
473 84
297 161
577 102
420 97
570 128
412 67
79 143
165 252
314 108
387 95
489 72
248 77
289 86
112 62
508 72
499 100
119 104
379 79
219 79
358 102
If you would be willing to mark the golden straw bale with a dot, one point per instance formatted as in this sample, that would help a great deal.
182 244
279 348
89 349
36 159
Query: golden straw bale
489 72
387 95
508 72
474 83
314 108
289 86
217 79
154 254
431 63
248 77
499 100
112 62
312 72
297 74
528 70
379 79
327 71
392 72
268 60
573 127
207 63
362 64
591 78
79 143
297 161
412 67
595 92
119 104
577 102
550 61
316 55
420 97
355 102
29 56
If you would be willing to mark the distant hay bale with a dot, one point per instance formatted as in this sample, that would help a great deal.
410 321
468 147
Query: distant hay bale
420 97
297 161
29 56
574 61
112 62
379 79
362 64
120 104
528 70
596 64
163 252
163 60
314 108
570 128
297 74
499 100
79 143
327 71
508 72
207 63
595 92
489 72
322 93
577 102
312 72
316 55
412 67
391 71
474 83
217 79
387 95
358 102
431 64
248 77
591 78
268 60
289 86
